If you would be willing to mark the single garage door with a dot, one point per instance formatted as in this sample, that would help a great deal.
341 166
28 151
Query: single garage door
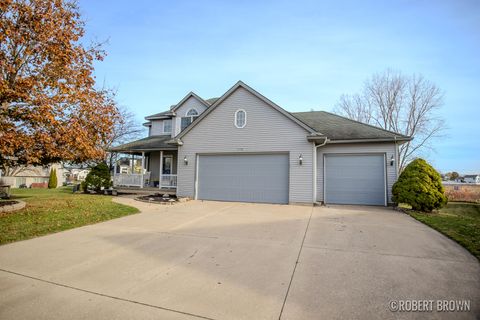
246 178
355 179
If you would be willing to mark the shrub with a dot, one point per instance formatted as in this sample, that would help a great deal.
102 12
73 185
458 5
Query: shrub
420 186
98 177
52 180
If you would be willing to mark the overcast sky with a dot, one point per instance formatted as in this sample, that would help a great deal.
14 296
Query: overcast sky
301 54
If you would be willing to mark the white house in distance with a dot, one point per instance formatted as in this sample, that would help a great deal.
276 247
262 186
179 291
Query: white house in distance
37 175
244 147
472 178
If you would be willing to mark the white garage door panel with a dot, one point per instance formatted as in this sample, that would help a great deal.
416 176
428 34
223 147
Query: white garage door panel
247 178
355 179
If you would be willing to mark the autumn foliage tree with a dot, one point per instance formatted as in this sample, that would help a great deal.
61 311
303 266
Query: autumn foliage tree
50 109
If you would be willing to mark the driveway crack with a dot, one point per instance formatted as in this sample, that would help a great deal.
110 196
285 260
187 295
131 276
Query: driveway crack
296 263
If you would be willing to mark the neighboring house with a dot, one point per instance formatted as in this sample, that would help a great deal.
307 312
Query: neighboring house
471 178
26 175
244 147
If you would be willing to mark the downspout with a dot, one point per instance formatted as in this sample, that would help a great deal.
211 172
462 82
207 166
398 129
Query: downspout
315 147
396 157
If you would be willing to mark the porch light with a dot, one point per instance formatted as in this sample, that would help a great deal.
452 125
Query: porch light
185 160
300 159
392 160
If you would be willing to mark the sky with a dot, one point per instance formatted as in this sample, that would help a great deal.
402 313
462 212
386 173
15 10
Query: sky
302 55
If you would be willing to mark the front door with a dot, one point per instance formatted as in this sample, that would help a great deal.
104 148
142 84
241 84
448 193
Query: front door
167 164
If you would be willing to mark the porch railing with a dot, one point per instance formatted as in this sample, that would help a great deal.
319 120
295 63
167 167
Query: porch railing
168 181
131 179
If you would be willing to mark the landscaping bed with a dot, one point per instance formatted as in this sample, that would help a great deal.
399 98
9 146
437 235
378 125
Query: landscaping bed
158 198
459 221
8 206
54 210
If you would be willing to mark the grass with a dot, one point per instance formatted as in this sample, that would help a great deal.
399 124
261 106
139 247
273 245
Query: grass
54 210
459 221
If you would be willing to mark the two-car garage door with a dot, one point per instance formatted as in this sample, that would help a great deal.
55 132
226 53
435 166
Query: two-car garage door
355 179
348 178
243 177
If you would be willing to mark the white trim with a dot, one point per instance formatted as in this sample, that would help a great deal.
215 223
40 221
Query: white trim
163 126
187 115
195 195
143 169
161 169
324 180
235 121
314 167
385 176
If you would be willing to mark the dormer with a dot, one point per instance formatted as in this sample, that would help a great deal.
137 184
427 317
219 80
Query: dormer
187 110
180 116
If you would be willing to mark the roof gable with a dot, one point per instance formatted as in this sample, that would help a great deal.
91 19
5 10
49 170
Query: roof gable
170 113
188 96
238 85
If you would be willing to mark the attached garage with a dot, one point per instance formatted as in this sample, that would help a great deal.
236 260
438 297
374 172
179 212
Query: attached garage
260 178
355 179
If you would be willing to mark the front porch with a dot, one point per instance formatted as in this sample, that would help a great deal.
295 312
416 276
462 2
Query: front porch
150 170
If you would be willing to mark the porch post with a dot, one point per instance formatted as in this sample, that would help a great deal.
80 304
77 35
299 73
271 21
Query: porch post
160 172
133 164
114 167
143 166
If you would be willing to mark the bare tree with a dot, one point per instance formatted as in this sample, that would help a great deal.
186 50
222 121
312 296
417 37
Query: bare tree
125 129
405 104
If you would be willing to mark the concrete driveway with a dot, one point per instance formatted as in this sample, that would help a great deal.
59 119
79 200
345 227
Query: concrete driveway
216 260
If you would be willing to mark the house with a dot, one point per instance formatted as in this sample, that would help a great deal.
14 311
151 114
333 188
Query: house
471 178
26 175
244 147
76 172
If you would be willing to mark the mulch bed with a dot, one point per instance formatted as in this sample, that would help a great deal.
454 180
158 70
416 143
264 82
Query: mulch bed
158 198
7 203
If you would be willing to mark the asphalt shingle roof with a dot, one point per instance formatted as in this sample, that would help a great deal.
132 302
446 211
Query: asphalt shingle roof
211 100
160 114
149 143
336 127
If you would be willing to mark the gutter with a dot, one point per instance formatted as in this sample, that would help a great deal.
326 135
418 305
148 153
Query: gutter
370 140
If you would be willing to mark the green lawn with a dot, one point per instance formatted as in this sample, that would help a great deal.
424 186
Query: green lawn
54 210
458 220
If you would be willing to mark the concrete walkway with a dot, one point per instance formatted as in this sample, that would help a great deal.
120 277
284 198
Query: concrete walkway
218 260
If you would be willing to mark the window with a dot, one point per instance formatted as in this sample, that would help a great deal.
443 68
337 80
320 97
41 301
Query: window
192 112
167 126
240 118
191 115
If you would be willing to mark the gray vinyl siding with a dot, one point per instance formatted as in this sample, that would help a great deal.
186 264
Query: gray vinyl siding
266 130
156 128
386 148
191 102
154 166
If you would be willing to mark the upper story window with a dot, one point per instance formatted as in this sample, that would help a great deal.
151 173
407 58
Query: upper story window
240 118
190 116
167 126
